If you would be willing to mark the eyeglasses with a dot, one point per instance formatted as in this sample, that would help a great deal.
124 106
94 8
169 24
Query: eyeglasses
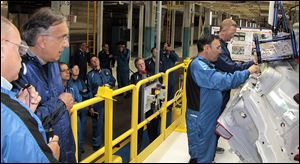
22 48
59 38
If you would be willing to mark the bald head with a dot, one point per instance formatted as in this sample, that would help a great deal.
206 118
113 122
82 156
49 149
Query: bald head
10 57
7 28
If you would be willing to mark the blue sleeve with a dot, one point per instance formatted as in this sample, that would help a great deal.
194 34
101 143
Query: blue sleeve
211 79
88 94
89 84
225 64
75 93
44 109
90 87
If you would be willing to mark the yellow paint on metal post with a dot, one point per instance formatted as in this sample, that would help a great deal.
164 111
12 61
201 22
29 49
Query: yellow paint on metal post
74 130
73 113
182 126
134 115
165 104
107 93
134 122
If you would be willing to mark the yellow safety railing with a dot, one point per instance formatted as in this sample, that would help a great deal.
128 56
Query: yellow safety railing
106 94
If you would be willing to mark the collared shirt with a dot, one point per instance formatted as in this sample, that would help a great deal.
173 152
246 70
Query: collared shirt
32 54
5 84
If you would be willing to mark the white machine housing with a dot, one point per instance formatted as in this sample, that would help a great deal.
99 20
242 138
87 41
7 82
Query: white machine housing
261 121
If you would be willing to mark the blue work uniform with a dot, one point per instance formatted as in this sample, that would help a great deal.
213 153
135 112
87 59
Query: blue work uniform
97 78
204 88
168 61
23 137
226 64
82 113
123 67
47 81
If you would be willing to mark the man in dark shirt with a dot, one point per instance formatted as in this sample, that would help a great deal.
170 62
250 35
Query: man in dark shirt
81 58
122 56
106 58
150 63
169 58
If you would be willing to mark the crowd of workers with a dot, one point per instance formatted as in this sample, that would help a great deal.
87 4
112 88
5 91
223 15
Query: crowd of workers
31 114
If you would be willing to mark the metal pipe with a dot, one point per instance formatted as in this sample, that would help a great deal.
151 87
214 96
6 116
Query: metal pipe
122 137
86 103
158 35
94 27
123 89
141 31
88 22
99 26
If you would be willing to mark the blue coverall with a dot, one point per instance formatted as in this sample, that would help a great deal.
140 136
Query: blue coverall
204 100
123 67
50 86
97 78
18 144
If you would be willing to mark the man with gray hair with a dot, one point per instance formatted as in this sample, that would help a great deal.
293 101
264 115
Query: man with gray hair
46 32
23 138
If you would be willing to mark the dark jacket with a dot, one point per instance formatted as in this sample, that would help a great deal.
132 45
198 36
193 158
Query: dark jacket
123 60
224 63
105 60
150 66
98 78
81 59
52 111
123 67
